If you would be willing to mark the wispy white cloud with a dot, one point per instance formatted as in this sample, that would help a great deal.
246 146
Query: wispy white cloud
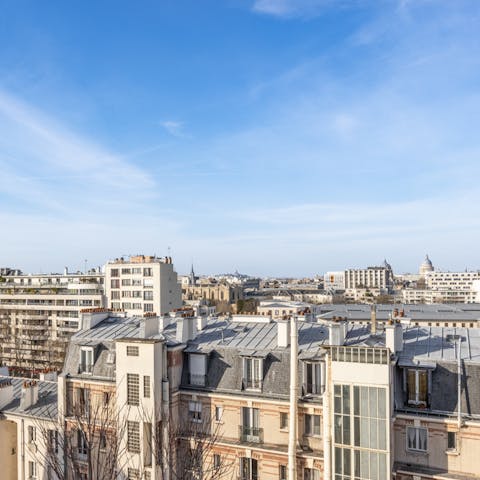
173 127
298 8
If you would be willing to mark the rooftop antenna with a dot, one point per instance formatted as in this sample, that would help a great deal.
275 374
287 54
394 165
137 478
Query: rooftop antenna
85 270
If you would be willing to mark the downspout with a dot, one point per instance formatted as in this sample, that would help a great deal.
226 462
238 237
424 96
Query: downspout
459 382
292 428
22 437
327 441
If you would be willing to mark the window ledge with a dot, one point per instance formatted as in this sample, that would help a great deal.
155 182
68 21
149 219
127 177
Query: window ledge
419 453
452 451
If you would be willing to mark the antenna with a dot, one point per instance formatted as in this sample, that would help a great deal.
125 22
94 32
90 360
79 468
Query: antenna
85 270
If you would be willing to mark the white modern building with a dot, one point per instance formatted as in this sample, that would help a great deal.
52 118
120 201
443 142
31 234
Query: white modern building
142 284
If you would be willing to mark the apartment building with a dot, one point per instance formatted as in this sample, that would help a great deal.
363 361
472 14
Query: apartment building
446 287
142 284
278 399
435 315
38 313
334 281
371 277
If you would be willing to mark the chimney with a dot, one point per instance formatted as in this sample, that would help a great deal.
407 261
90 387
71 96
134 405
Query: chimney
163 322
373 319
186 329
148 326
48 376
283 329
201 322
336 333
394 336
6 392
29 395
89 319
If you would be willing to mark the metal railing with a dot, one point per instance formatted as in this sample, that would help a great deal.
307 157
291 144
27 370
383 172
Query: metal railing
250 434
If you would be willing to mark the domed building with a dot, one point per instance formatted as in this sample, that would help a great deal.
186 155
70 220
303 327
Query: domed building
426 266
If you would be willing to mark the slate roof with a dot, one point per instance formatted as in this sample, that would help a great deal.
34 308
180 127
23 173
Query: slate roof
46 406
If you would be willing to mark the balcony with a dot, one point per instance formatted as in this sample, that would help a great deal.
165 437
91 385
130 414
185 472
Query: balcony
250 434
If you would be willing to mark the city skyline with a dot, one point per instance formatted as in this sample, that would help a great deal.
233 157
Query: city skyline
274 137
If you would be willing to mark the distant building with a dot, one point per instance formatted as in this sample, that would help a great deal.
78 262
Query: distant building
334 281
372 277
39 313
426 266
142 284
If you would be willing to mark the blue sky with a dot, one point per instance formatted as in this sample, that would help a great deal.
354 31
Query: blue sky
276 137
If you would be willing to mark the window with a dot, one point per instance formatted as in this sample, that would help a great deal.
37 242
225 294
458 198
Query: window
248 469
86 359
32 434
136 271
417 439
133 437
126 282
417 386
126 271
218 413
132 351
137 294
282 472
148 307
146 386
198 369
126 306
126 294
133 474
115 283
249 430
103 441
148 295
137 306
114 272
312 425
252 373
82 446
115 295
53 441
195 411
147 272
451 440
32 470
217 461
311 474
106 398
133 389
283 420
82 401
312 378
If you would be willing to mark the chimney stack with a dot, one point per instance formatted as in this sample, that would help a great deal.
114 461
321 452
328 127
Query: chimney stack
373 319
336 333
186 329
201 322
163 322
283 329
394 336
29 396
6 392
148 326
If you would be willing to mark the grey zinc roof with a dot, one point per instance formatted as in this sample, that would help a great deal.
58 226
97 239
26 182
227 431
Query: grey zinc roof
435 312
46 406
255 337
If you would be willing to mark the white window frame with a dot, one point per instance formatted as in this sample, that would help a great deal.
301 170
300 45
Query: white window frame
416 447
310 422
195 411
87 359
32 470
253 375
316 386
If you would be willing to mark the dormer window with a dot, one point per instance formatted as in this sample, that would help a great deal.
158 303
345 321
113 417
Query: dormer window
86 360
198 369
312 378
252 373
417 383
